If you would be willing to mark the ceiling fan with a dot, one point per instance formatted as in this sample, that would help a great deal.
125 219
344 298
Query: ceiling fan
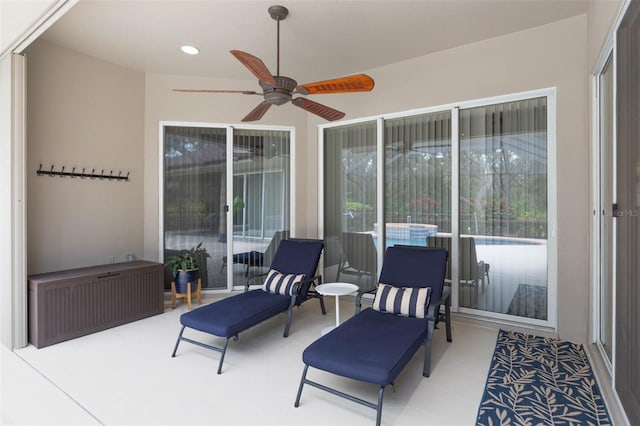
278 90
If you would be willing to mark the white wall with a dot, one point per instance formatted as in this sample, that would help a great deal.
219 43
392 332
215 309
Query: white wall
83 113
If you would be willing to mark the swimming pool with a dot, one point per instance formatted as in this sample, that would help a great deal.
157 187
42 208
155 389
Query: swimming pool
481 241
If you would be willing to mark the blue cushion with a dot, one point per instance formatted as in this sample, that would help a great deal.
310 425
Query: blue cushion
230 316
298 257
278 283
406 266
371 346
405 301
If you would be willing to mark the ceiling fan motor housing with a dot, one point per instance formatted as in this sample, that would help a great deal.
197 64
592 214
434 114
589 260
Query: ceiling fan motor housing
280 93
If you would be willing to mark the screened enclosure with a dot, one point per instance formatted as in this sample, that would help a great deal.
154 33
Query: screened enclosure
470 178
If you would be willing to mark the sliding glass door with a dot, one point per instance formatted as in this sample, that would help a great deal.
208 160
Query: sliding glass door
503 213
473 178
350 204
606 197
626 212
198 177
261 188
194 211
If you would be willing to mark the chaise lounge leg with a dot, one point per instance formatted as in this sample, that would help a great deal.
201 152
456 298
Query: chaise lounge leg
320 297
304 376
324 311
379 406
224 351
289 316
426 371
447 319
173 355
358 302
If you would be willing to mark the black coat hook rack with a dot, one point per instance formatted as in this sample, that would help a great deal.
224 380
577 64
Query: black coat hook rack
83 175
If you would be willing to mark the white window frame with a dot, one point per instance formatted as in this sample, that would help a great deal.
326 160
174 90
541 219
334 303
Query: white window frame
229 202
596 241
548 325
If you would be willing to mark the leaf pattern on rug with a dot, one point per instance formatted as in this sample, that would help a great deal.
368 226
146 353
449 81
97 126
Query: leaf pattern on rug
540 381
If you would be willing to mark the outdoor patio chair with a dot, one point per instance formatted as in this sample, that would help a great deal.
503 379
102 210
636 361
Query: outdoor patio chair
359 258
376 344
288 284
471 270
257 259
333 253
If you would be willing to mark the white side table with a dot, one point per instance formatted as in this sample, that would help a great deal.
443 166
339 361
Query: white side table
337 290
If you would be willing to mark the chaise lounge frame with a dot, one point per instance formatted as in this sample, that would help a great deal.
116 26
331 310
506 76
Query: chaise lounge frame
312 356
229 317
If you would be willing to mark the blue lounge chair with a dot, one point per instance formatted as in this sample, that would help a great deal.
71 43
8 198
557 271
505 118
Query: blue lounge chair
376 344
229 317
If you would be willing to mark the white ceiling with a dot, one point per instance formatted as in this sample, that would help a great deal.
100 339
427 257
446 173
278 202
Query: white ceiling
320 39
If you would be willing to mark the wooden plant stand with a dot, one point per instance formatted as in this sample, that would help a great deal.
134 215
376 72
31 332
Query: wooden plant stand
187 295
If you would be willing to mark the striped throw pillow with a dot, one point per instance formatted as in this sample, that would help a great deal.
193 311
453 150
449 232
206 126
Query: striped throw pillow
278 283
404 301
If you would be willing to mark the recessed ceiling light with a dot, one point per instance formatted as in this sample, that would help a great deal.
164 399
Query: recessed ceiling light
190 50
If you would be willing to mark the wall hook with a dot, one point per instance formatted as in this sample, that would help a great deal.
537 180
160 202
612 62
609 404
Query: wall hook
73 174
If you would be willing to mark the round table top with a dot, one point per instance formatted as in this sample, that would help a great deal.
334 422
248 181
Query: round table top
336 289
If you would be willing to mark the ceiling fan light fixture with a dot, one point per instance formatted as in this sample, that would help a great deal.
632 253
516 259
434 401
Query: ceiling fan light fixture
189 50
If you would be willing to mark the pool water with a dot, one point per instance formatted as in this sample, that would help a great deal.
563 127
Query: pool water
479 241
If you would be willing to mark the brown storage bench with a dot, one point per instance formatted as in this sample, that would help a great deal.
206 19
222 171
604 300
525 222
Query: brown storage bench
76 302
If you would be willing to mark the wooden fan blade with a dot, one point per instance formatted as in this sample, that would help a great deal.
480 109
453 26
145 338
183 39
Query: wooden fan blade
318 109
244 92
255 65
257 112
352 83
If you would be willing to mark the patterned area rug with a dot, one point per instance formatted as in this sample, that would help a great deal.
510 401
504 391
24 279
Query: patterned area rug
540 381
529 301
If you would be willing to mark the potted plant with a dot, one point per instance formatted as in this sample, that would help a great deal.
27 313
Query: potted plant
185 265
